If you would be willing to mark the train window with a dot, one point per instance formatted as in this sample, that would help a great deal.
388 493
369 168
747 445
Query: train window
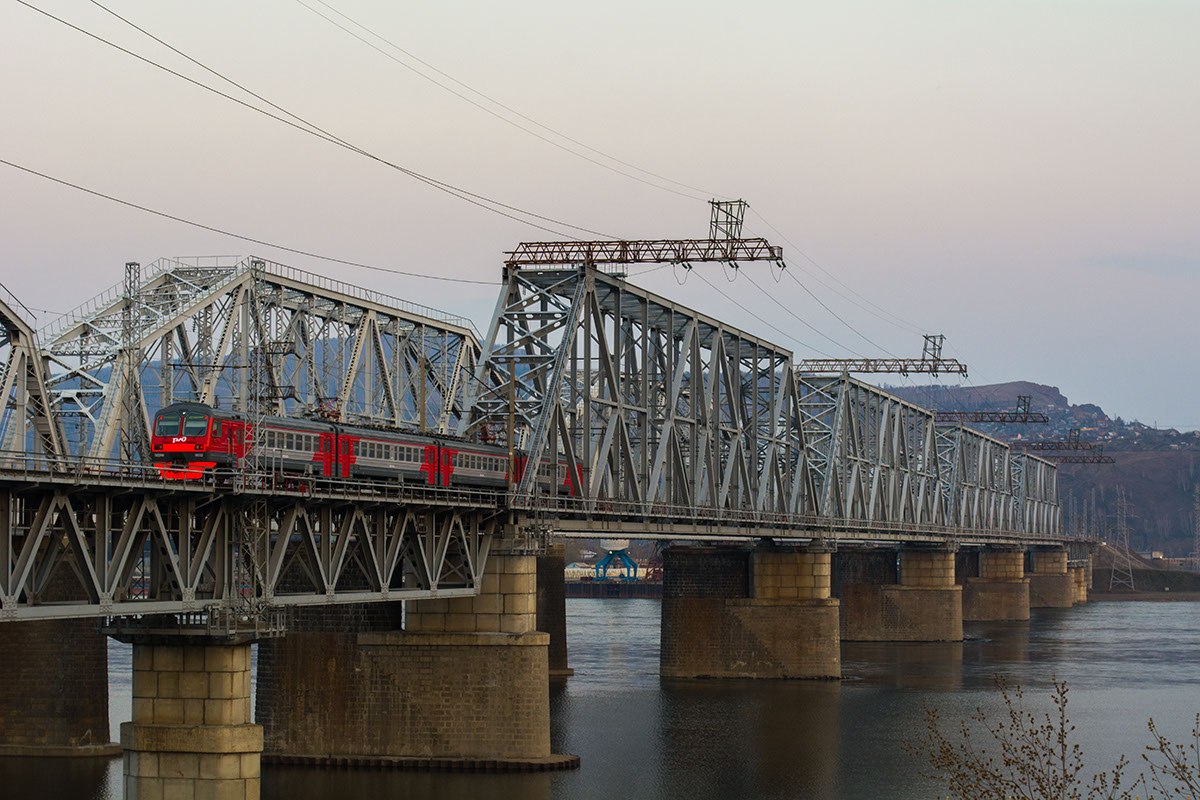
289 441
216 427
167 425
195 424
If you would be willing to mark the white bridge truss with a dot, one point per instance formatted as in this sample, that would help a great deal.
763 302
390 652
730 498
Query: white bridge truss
248 334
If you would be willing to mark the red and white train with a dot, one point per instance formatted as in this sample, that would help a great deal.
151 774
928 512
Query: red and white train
190 440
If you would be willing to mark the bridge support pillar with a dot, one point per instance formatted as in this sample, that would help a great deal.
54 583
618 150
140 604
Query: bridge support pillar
552 606
733 613
191 735
1000 593
925 606
1079 584
463 686
54 694
1050 584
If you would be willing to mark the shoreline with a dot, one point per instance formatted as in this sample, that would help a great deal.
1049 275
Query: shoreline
1153 597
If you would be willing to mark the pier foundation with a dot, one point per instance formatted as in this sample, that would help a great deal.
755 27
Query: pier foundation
735 613
191 735
462 686
1000 592
925 606
552 607
1078 583
54 694
1050 584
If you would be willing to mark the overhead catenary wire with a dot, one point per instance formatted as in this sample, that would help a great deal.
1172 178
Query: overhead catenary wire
703 193
801 320
874 308
775 328
479 200
243 237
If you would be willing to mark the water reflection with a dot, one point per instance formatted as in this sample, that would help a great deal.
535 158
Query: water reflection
642 737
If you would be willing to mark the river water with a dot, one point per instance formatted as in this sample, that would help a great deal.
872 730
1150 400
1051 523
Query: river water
640 736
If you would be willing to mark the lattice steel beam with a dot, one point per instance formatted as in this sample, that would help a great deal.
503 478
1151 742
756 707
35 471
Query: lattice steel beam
873 456
26 422
654 404
646 251
72 548
316 346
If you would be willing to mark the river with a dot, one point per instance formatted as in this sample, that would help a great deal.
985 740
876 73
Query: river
641 737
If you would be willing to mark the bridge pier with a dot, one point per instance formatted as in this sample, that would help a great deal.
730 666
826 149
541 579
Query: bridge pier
1079 582
552 606
462 686
924 606
735 613
54 695
1000 592
1050 583
191 735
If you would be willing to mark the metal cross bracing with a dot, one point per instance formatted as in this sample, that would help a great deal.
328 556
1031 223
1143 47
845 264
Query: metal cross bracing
930 362
77 545
654 407
219 329
659 420
1021 416
27 426
872 455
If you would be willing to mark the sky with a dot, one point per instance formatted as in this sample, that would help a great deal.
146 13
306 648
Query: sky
1023 177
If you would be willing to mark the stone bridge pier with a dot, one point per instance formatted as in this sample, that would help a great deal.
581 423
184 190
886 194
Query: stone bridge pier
191 735
996 590
731 612
463 685
54 695
923 604
1050 582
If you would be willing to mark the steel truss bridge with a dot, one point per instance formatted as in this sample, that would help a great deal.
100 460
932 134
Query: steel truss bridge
680 426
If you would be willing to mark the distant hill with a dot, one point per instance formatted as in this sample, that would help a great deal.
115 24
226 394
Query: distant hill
1158 468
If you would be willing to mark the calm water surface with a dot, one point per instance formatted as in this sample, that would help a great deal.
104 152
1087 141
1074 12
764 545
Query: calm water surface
640 736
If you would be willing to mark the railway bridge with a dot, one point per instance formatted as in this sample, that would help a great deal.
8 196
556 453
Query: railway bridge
797 510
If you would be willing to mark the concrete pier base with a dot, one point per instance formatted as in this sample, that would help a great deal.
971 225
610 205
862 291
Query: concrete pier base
926 606
462 687
1050 584
1079 583
54 695
730 613
191 736
1000 592
552 607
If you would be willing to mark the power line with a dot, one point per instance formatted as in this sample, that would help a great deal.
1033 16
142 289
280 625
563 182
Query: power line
802 321
243 237
874 309
473 198
704 194
775 328
838 317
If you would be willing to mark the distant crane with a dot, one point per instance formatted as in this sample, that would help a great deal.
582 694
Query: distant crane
1023 415
930 362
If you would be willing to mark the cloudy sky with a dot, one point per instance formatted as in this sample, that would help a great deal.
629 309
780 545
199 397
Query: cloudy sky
1023 176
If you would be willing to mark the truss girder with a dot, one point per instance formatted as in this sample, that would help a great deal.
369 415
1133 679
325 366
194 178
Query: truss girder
26 421
323 348
651 404
873 455
103 551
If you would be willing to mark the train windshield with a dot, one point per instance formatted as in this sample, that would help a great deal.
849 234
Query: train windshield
167 424
195 424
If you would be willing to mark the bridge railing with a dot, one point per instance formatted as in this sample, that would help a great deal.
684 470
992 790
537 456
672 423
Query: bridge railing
568 513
